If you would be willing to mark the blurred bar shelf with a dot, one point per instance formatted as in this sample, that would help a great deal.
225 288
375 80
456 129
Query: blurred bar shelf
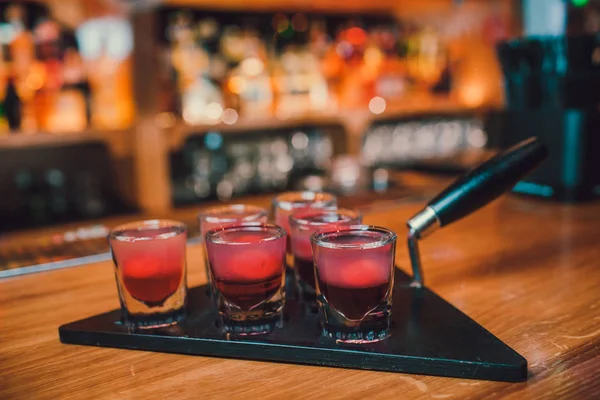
181 131
355 120
415 106
289 5
118 141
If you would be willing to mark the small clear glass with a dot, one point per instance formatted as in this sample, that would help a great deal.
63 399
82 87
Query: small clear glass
286 203
247 271
150 270
227 215
303 224
354 271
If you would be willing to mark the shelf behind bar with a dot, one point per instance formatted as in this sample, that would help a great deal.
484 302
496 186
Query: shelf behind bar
181 131
290 5
356 120
118 141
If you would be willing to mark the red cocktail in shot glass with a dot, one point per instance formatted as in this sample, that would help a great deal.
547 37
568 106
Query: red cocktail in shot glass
247 271
287 203
150 269
303 224
354 269
228 215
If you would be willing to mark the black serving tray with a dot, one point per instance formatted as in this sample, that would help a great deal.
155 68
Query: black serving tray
429 336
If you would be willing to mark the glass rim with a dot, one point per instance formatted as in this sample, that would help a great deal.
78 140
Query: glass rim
177 228
210 215
287 200
278 232
298 219
319 237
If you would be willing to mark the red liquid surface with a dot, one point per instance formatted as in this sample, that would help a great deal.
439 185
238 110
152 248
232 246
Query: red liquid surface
245 263
248 271
354 281
354 303
353 269
248 294
151 270
150 280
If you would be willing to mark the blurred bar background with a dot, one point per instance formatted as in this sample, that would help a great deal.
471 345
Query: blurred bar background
120 108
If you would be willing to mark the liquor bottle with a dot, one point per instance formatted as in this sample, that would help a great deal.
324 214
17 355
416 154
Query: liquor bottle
12 106
357 80
46 36
74 73
332 67
26 73
231 48
184 51
300 84
70 109
4 128
390 82
426 58
251 79
201 99
21 47
108 67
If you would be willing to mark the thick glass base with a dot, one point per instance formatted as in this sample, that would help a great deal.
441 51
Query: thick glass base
262 318
364 334
249 326
156 320
373 327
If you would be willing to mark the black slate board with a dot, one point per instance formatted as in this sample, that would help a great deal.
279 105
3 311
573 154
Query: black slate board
429 336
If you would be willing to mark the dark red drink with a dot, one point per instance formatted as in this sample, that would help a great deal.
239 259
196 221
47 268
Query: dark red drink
354 270
354 303
152 288
287 203
303 223
247 274
357 284
150 269
229 215
249 294
150 272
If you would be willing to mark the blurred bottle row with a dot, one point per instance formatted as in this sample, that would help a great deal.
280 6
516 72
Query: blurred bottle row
226 65
54 79
397 143
216 66
212 164
223 166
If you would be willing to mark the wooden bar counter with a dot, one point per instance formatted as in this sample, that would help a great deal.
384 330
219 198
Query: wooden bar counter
527 270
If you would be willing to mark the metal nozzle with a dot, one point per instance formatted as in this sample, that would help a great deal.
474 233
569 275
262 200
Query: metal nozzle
424 223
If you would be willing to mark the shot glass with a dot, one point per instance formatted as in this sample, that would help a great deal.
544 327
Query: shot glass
303 224
247 274
228 215
288 202
354 270
150 269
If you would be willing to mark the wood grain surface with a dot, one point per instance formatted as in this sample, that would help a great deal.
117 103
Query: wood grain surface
528 271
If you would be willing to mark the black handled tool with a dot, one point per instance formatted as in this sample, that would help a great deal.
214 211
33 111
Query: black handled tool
472 191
